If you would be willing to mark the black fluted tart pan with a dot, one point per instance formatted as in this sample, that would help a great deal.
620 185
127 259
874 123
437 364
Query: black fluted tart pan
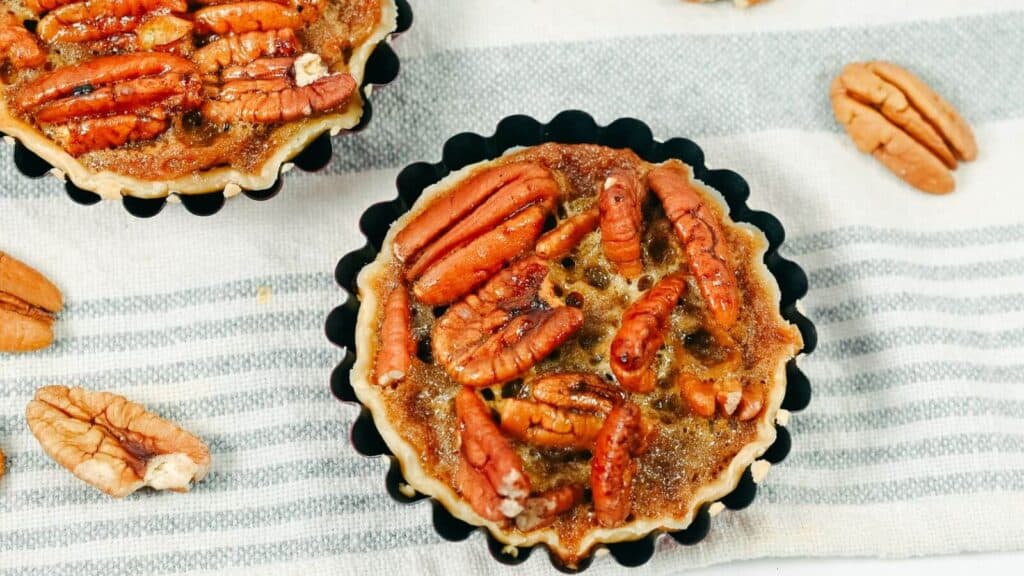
570 127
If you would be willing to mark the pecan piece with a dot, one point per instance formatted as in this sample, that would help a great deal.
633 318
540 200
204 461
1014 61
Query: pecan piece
244 48
28 302
566 410
287 104
751 402
541 510
891 114
114 444
499 332
308 68
242 17
621 440
642 333
703 240
728 395
567 235
17 45
620 201
490 474
396 344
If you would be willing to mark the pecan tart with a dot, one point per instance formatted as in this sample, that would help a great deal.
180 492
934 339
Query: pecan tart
570 345
149 97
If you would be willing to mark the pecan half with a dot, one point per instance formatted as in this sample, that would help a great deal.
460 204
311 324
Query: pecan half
110 131
89 9
620 441
242 17
565 410
85 78
17 45
159 32
490 474
563 238
44 6
893 115
620 201
642 333
286 103
703 240
502 204
27 304
396 344
441 214
111 100
469 266
114 444
260 69
172 90
244 48
576 391
99 19
51 30
499 332
236 89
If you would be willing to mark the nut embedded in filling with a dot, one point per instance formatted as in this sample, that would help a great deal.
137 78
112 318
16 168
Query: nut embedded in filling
158 90
598 355
111 100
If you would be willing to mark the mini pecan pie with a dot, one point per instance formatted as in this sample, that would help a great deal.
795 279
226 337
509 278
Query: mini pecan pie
149 97
570 345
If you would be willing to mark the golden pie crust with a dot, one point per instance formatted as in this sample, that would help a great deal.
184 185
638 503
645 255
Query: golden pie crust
284 141
682 468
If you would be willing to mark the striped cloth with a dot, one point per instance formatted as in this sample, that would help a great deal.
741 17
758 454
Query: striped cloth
912 444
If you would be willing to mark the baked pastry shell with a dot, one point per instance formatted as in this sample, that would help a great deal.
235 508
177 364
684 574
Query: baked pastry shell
374 64
633 544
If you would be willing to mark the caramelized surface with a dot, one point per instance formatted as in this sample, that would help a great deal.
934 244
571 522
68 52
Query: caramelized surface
689 452
191 143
